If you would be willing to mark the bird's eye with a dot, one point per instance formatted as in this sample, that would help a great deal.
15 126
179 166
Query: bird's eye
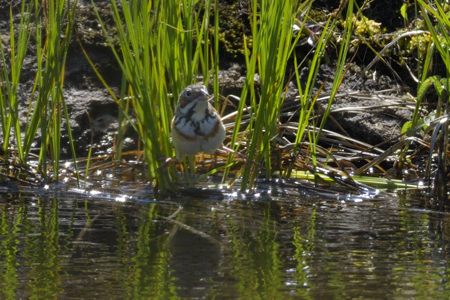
188 93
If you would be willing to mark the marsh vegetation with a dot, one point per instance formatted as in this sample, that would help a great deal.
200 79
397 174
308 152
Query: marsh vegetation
324 105
162 46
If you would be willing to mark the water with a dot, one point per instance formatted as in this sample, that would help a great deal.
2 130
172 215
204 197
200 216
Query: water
120 244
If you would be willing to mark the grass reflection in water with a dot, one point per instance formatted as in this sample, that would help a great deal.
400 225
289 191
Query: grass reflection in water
67 247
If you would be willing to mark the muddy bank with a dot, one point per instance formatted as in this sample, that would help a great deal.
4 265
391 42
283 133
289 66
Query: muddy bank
361 109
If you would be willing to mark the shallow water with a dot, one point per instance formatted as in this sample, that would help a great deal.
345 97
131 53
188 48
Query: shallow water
119 244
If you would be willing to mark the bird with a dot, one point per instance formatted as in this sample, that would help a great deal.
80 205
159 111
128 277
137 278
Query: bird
196 126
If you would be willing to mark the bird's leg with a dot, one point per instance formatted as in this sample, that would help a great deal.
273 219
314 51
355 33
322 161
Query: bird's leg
187 164
189 170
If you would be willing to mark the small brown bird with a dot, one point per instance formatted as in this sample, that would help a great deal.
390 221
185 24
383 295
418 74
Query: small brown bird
196 126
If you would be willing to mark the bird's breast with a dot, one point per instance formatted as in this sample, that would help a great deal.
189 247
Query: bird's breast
197 122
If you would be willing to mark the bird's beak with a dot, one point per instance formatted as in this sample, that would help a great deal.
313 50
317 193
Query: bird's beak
204 91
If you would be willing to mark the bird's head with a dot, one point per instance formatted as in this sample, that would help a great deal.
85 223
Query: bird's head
193 95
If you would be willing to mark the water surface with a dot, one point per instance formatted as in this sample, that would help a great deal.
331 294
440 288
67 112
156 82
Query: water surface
122 244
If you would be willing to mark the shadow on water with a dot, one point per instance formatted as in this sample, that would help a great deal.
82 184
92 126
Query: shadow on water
70 244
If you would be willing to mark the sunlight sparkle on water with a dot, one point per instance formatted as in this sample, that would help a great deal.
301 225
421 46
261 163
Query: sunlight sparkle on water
356 199
94 192
121 198
78 190
291 283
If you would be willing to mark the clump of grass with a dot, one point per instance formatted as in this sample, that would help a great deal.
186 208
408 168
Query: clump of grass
11 70
53 38
162 47
51 24
272 45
